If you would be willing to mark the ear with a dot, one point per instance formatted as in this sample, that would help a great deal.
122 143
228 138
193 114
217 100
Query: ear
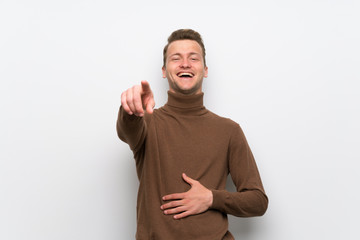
163 72
206 72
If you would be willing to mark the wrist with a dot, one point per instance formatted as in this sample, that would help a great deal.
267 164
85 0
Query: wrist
210 199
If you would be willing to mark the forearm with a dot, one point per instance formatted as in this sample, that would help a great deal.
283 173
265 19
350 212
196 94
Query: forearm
131 129
249 199
247 203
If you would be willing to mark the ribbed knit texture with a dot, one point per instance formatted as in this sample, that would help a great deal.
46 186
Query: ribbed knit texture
184 137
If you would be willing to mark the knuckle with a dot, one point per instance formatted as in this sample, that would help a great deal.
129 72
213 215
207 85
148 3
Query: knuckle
129 97
137 102
123 96
136 89
129 101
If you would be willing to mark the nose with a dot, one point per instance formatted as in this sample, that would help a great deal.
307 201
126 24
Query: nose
185 63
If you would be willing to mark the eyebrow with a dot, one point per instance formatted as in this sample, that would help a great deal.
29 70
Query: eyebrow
191 53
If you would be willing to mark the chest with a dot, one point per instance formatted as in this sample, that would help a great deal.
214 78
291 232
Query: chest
195 142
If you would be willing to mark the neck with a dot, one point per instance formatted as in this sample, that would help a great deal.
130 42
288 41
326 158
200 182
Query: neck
185 104
186 92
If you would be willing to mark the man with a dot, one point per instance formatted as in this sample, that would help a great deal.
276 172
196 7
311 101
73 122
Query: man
184 153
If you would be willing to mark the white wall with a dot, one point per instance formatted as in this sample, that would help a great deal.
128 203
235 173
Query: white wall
287 71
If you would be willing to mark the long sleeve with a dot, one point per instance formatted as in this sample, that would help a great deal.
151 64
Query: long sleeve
184 137
250 198
131 129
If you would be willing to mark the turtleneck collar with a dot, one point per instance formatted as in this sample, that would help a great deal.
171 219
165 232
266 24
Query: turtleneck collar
185 104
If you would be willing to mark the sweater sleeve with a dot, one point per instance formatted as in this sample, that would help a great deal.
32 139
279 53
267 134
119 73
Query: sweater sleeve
131 129
250 199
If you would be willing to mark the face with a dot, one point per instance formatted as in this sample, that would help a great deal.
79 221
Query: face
185 67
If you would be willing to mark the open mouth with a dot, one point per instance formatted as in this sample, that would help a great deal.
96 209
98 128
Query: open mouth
185 75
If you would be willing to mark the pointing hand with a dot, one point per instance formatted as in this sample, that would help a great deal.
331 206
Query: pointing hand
137 99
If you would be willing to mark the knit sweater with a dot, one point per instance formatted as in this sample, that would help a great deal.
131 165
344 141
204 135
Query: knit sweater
184 137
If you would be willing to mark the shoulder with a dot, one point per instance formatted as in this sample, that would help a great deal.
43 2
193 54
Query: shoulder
157 115
225 125
226 122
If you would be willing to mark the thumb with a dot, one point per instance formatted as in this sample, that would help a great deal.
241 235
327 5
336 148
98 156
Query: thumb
150 105
188 179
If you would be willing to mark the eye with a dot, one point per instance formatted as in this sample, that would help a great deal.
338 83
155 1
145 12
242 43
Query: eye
194 59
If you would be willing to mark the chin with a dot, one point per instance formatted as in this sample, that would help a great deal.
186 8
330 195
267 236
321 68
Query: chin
187 91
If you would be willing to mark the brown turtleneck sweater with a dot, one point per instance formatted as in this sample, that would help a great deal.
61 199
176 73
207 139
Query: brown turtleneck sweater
184 137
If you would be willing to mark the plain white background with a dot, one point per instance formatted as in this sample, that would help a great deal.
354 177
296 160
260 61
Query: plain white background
287 71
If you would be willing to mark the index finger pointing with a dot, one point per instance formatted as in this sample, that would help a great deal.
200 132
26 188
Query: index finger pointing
145 86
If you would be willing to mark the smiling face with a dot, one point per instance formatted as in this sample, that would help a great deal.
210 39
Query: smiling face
185 68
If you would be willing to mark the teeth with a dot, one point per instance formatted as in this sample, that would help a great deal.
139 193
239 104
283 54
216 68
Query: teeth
185 75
